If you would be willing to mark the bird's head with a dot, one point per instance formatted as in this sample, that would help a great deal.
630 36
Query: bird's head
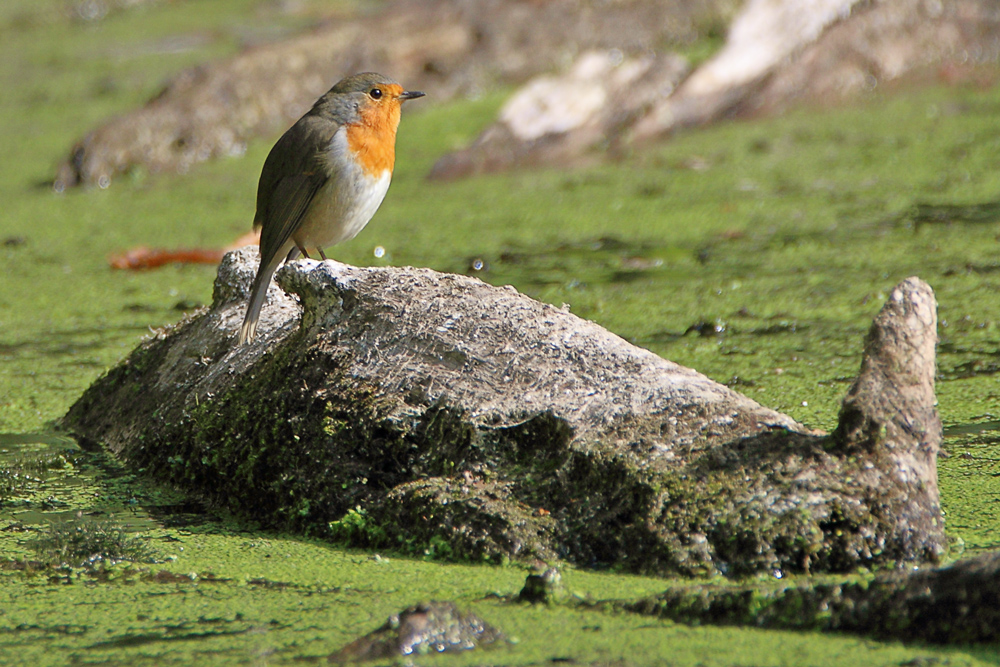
369 99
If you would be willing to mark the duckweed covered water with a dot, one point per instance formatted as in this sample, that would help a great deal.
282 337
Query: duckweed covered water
216 593
756 252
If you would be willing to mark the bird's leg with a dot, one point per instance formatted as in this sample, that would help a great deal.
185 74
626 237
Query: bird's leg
300 249
321 253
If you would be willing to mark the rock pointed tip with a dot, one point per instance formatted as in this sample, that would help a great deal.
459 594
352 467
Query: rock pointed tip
892 402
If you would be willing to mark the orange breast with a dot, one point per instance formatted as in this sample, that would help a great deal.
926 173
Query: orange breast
373 140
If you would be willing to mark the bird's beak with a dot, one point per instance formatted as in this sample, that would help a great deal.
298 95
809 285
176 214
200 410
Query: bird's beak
410 95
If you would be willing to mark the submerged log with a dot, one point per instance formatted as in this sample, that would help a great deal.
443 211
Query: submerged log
948 605
435 414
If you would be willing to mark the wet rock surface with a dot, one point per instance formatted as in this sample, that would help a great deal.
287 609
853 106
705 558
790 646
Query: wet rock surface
429 627
435 414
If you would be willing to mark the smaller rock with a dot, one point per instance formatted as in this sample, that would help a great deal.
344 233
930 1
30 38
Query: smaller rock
428 627
542 586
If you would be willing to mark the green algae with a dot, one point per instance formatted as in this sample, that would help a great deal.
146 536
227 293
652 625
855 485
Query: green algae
756 252
222 593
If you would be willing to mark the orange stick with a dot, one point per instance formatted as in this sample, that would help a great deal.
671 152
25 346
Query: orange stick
142 257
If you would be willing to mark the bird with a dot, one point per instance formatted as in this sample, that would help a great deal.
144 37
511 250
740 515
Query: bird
325 177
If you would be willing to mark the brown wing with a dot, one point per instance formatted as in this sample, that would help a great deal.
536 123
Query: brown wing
291 176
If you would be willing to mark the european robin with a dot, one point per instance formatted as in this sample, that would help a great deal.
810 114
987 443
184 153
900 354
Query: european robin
325 177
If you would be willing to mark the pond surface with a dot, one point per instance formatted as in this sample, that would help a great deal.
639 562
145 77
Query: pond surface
756 252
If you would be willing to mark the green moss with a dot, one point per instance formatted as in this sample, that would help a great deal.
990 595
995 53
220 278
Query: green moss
785 245
357 527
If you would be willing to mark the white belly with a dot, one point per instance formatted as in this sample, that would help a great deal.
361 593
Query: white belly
343 206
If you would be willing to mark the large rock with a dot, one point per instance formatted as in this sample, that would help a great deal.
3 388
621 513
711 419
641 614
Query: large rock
433 413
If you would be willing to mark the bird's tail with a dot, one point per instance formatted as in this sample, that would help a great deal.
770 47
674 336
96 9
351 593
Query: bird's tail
258 294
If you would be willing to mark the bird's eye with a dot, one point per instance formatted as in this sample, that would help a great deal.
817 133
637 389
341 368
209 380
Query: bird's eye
376 93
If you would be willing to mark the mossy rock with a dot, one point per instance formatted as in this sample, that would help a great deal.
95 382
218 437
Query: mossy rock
398 408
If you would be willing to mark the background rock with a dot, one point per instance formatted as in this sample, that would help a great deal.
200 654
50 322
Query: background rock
559 119
443 47
621 80
777 55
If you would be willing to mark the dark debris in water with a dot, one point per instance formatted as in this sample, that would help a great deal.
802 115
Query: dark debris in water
739 381
168 577
709 328
267 583
605 260
969 267
969 369
959 362
182 632
425 628
986 212
778 328
57 629
972 429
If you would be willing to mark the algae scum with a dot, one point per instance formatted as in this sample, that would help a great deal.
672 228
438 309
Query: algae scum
755 252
